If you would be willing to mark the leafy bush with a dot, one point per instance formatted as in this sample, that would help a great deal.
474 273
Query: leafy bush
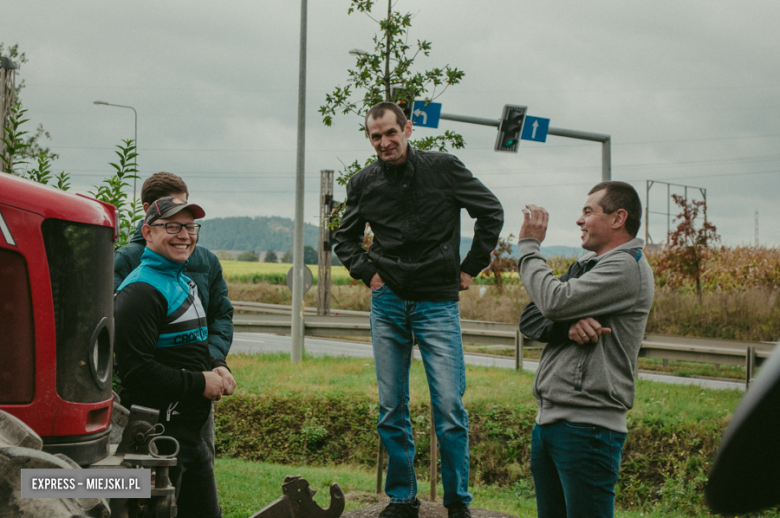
248 255
664 467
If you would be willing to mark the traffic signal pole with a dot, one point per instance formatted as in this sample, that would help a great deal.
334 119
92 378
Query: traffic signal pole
606 150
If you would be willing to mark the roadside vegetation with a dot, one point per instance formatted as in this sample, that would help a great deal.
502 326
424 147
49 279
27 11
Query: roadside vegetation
322 413
740 294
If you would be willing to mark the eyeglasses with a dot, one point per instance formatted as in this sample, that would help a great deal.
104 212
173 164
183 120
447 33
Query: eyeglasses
175 228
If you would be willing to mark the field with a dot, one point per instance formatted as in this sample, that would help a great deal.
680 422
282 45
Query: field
318 417
740 294
274 273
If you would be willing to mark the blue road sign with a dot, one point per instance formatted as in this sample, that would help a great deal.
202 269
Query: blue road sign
536 129
426 116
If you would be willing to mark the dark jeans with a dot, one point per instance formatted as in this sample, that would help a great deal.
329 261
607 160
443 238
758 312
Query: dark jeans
575 468
196 489
396 324
207 432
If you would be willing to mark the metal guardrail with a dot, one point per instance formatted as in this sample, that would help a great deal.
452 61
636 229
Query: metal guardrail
276 319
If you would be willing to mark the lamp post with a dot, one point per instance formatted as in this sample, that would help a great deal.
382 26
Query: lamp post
297 331
135 141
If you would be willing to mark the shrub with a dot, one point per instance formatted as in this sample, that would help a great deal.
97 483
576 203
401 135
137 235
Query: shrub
249 255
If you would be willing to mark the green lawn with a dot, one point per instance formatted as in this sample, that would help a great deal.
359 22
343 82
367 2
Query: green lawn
246 487
317 418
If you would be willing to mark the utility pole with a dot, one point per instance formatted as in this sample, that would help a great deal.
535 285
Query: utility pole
296 351
324 248
7 94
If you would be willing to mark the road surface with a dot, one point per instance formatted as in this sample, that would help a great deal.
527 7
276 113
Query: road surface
254 343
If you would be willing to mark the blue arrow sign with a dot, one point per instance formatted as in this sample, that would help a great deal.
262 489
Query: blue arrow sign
426 116
536 129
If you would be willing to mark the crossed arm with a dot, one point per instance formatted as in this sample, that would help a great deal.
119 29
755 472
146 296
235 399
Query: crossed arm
585 330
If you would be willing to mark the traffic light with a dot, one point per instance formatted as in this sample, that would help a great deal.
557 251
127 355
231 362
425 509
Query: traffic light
403 100
511 128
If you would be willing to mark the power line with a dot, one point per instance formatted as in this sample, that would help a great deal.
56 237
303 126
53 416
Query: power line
453 151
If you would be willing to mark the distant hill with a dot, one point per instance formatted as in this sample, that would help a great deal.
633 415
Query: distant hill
276 233
547 251
258 234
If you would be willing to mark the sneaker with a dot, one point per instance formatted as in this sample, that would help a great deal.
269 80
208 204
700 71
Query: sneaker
458 511
402 510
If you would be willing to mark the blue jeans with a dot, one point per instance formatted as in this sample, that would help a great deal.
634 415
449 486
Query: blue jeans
575 468
396 325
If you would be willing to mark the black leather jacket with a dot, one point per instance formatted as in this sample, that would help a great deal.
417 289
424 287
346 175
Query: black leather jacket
414 212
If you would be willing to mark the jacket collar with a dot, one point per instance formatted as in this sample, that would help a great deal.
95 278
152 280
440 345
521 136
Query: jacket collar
399 169
138 236
634 243
158 262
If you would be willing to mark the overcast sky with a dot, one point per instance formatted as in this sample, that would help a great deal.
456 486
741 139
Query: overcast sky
688 90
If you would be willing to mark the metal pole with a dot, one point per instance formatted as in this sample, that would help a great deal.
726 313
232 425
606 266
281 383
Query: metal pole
434 455
606 160
380 466
470 120
135 137
296 352
606 147
647 211
8 85
324 248
135 160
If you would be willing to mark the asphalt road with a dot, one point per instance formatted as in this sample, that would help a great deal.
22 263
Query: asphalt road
254 343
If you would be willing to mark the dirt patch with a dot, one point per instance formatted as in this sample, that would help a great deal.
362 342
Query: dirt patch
427 510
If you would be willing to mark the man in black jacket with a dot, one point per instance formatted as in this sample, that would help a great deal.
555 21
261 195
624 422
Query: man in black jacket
412 199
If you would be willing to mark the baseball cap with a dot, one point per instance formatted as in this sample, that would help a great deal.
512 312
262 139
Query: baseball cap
169 206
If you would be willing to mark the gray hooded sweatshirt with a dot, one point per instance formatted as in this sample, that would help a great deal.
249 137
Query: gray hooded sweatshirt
590 383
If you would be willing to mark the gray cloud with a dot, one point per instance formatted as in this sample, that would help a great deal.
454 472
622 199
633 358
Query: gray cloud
688 91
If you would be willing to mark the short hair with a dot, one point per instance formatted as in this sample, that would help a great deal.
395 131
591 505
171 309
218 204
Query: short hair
621 195
160 185
377 111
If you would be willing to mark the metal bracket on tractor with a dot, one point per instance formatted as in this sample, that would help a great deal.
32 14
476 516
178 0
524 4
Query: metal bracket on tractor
143 445
297 502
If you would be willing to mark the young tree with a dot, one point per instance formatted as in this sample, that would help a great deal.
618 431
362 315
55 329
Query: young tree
501 262
309 255
389 65
688 246
16 149
271 257
112 190
287 257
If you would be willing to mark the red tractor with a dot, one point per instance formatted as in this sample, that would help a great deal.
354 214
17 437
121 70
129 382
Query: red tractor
56 314
56 358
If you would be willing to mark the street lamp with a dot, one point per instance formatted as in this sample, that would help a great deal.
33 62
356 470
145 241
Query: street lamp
104 103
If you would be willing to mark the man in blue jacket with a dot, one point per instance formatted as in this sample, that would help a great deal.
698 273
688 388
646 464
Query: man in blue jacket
163 352
203 268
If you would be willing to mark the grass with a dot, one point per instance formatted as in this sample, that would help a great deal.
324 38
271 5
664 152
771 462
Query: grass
322 413
273 375
246 487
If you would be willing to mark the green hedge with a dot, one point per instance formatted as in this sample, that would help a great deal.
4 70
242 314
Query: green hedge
664 467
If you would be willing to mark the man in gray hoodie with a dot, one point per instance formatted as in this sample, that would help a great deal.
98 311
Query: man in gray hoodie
593 319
